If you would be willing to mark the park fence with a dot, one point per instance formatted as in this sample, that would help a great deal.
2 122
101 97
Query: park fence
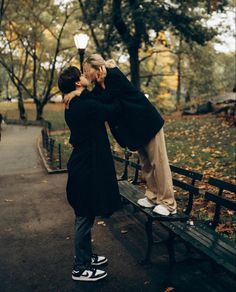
53 149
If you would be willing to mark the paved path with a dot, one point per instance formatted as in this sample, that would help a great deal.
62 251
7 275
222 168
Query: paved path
18 153
36 234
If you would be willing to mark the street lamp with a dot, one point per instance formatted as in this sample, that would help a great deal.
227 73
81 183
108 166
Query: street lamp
81 41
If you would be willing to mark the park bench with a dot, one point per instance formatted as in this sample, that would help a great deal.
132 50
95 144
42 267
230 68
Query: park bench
131 192
197 234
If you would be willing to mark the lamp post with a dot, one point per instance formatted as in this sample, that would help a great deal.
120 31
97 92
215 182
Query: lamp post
81 41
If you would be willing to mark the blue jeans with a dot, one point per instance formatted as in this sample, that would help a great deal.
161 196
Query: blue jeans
83 246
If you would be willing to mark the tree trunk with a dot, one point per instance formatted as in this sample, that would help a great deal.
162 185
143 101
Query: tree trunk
7 90
179 73
178 92
134 66
21 108
189 91
39 111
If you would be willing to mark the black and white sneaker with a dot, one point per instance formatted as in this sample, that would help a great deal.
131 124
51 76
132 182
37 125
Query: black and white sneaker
89 274
97 260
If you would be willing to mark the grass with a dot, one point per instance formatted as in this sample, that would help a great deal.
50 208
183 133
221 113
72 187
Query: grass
53 112
205 144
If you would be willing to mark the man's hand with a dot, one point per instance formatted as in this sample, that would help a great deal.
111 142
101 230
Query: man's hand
69 96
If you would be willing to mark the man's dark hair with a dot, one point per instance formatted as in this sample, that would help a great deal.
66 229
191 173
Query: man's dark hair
67 79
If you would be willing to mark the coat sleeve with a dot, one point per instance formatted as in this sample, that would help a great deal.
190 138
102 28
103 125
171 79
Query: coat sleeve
100 94
91 109
118 86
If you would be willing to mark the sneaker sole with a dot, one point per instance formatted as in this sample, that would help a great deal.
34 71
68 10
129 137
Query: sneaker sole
149 207
146 206
171 213
85 279
99 264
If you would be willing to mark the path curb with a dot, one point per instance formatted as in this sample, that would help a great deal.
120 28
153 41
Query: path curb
45 163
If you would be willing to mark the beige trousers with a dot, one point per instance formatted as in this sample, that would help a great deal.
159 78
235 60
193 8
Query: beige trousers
157 173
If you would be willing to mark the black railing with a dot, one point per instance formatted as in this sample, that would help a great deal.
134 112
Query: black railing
54 154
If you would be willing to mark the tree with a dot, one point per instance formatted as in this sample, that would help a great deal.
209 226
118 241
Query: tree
35 31
134 19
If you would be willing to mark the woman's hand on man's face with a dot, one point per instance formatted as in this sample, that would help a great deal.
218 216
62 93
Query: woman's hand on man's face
101 75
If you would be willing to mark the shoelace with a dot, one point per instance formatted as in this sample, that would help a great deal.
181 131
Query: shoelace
93 270
94 257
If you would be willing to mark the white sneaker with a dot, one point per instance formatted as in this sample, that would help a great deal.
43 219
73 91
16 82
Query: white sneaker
145 203
97 260
89 274
162 210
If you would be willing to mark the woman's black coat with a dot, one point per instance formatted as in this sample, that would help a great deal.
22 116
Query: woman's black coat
140 121
92 186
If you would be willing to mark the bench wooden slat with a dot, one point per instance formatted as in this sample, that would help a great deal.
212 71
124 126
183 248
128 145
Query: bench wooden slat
214 241
133 194
208 233
193 234
185 172
221 201
222 184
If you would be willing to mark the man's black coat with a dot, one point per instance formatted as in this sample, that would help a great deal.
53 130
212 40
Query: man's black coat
92 186
140 121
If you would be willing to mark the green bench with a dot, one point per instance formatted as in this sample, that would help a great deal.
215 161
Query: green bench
199 235
131 192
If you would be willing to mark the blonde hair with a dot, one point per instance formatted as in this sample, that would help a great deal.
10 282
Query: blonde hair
96 61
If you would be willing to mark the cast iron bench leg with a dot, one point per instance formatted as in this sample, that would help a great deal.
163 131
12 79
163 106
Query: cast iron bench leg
149 240
171 252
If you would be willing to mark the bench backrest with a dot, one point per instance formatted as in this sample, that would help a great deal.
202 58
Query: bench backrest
218 198
190 188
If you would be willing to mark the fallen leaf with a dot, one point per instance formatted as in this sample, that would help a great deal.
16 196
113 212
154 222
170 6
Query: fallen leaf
169 289
100 222
123 231
8 229
231 213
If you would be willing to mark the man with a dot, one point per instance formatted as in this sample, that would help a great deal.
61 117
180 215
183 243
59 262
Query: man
91 187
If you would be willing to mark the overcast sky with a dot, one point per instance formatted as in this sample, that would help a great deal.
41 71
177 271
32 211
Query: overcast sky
228 39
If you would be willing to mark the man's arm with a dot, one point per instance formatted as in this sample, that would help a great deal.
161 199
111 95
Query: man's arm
98 93
90 109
